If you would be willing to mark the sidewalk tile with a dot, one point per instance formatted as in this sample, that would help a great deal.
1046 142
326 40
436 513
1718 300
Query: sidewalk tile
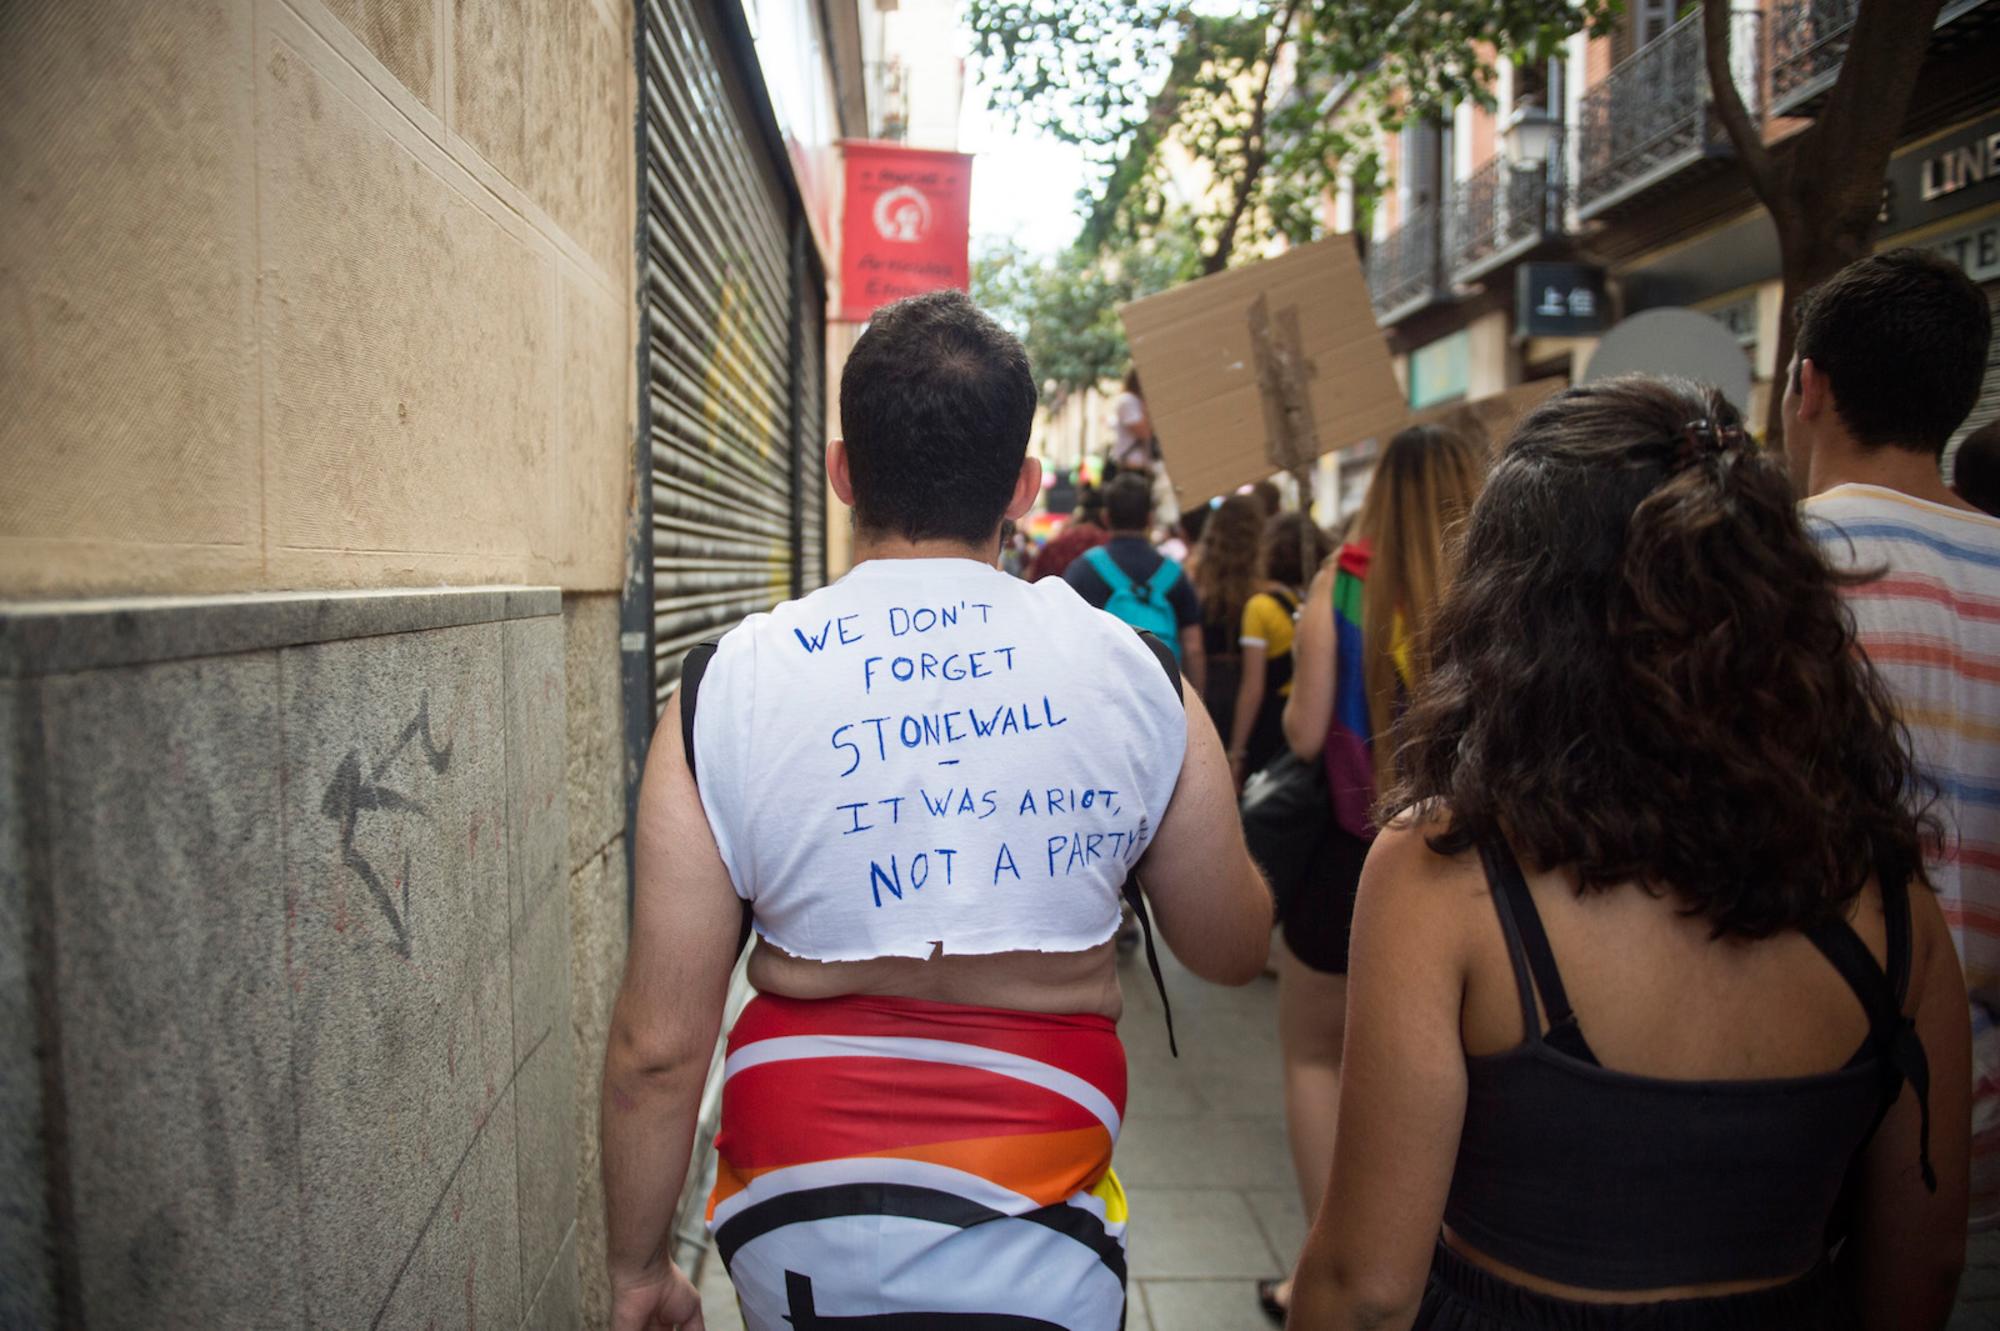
718 1296
1204 1305
1195 1232
1205 1152
1280 1217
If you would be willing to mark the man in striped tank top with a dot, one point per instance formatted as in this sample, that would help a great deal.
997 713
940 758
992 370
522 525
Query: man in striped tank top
1888 364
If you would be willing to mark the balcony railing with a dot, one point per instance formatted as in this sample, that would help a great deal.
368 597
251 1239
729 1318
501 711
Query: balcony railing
1501 211
1809 40
1652 116
1403 265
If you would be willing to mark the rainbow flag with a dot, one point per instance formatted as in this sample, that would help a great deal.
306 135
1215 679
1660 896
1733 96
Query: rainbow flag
1350 763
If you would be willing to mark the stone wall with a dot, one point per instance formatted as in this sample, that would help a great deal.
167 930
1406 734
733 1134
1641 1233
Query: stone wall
315 293
299 1032
597 901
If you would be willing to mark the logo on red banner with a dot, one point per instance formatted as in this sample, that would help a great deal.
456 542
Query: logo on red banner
903 231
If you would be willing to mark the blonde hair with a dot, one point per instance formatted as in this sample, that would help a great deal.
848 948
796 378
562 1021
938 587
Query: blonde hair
1418 497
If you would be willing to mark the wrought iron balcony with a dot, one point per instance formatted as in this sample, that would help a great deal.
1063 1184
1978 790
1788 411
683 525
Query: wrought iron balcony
1652 117
1403 266
1502 211
1809 40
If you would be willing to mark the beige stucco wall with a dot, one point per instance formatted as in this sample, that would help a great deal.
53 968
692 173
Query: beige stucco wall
314 293
1489 360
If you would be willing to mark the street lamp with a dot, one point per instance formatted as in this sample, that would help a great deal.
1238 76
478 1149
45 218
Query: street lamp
1529 135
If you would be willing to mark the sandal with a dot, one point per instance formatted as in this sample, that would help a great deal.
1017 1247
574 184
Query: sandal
1267 1299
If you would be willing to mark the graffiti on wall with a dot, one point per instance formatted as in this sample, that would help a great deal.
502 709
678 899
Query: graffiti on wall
355 791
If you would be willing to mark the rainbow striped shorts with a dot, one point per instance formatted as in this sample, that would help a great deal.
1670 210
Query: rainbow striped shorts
893 1163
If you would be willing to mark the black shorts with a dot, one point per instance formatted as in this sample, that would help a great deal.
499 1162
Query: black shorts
1318 918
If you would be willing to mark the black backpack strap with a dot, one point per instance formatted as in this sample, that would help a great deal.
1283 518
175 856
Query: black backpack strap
1165 656
1133 897
693 666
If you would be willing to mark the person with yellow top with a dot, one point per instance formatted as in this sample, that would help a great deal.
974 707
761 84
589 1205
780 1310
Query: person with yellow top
1290 549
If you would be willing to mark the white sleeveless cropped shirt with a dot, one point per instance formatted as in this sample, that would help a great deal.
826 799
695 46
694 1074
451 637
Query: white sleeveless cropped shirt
931 754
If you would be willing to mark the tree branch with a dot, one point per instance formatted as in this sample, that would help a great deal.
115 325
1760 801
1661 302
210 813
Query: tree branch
1255 154
1886 48
1744 133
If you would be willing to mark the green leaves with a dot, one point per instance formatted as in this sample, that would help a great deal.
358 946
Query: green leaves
1065 310
1237 120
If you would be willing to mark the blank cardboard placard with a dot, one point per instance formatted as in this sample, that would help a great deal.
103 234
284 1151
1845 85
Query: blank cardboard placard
1489 421
1263 368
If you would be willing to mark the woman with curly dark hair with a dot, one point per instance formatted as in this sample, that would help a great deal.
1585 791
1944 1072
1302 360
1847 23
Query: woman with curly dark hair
1651 1011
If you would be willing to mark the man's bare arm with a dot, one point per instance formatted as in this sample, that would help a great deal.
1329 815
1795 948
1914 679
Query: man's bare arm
1213 908
685 918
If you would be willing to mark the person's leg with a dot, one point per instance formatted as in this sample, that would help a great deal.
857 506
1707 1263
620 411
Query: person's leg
1312 1012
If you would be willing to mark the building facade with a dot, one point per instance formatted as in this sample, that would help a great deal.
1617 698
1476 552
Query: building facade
1603 186
395 389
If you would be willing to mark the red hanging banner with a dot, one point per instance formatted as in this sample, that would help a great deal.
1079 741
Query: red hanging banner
903 230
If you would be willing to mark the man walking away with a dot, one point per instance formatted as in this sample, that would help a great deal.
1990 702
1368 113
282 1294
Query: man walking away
1137 583
924 787
1889 358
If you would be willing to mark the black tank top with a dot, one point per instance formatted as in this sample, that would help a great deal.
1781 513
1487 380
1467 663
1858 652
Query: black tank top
1609 1180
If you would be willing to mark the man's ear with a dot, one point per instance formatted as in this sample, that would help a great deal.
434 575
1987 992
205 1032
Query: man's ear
837 474
1027 488
1815 391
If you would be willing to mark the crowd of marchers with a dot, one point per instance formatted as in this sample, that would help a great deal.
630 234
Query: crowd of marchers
1624 799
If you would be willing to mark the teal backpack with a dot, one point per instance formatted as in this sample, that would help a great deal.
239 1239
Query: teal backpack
1143 605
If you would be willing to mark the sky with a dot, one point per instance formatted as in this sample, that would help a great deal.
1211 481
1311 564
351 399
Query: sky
1024 183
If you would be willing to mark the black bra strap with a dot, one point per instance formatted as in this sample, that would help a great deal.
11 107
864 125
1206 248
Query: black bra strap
1896 925
1504 875
1524 987
1893 1035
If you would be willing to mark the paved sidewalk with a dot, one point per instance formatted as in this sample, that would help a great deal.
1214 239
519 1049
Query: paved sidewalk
1202 1156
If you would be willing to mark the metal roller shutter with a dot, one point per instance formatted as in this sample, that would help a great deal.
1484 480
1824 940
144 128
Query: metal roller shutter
812 440
727 300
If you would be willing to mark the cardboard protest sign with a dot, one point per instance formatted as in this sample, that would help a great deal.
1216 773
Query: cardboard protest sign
1263 368
1489 421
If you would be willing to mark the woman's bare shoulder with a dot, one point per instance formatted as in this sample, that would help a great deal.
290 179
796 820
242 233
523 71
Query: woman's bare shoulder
1405 856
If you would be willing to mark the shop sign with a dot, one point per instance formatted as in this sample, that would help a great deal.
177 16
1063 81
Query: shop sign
1558 299
1442 371
1976 249
1946 176
904 226
1740 318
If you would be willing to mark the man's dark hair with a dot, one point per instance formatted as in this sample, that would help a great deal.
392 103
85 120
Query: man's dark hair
1975 469
1090 505
1128 502
936 404
1902 338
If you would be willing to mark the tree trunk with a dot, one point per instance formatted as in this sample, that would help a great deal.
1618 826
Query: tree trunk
1824 188
1806 257
1256 153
